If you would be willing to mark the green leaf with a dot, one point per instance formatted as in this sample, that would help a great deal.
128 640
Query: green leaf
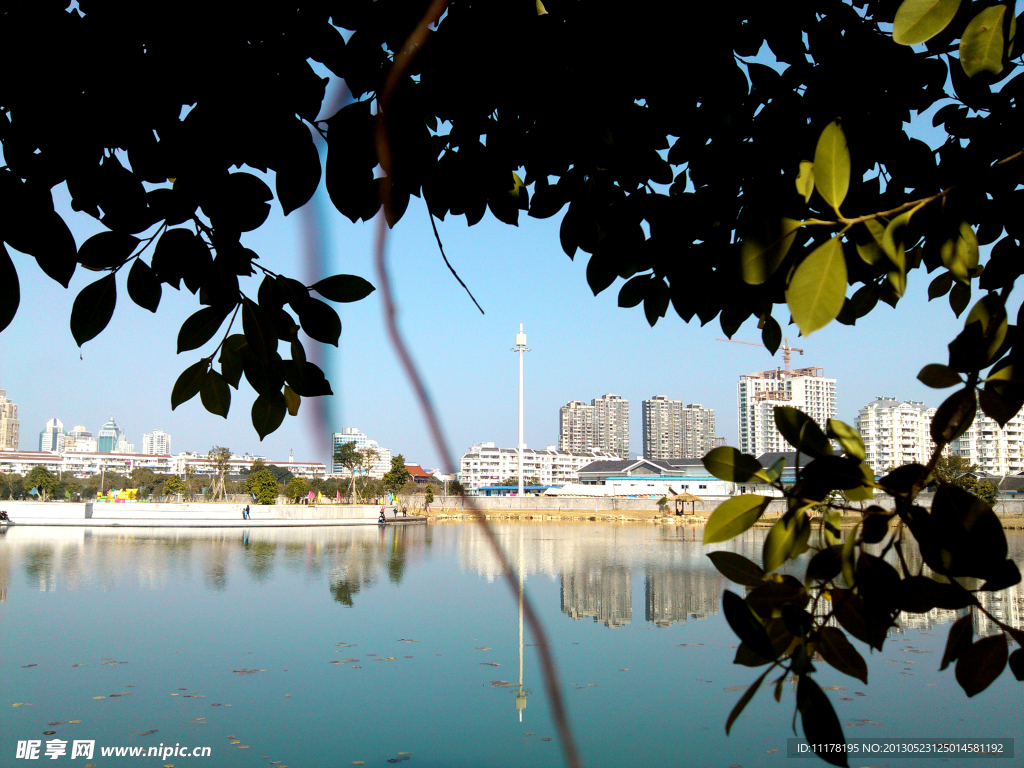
291 400
893 240
918 21
846 556
848 437
825 565
93 308
801 431
737 568
733 516
805 180
731 465
199 328
954 416
10 289
343 288
745 698
821 726
818 288
939 376
959 640
215 394
771 334
960 254
940 285
320 321
979 666
832 524
832 165
763 249
786 538
268 413
143 287
746 626
837 651
189 382
981 45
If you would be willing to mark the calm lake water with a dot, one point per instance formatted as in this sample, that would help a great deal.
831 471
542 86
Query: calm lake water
315 648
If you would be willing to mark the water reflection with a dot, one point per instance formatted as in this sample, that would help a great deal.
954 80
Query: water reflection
596 566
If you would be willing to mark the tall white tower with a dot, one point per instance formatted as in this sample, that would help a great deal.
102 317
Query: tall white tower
520 347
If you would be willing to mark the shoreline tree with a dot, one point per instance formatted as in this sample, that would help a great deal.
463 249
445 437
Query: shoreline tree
351 459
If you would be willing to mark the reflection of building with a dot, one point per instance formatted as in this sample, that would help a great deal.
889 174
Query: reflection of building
51 439
156 443
757 394
8 423
605 594
673 430
381 464
895 433
672 595
601 426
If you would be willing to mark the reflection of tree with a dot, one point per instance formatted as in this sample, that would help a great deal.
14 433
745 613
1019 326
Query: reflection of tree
396 556
343 590
259 559
38 562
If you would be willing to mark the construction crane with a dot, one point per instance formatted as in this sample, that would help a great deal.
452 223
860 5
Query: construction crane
786 349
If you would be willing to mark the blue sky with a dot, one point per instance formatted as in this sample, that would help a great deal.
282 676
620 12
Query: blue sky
582 346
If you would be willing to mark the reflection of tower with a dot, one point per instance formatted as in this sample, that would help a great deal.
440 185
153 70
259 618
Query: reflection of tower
672 595
520 693
520 347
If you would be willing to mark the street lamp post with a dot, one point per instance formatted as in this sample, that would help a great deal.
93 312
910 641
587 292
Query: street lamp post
520 347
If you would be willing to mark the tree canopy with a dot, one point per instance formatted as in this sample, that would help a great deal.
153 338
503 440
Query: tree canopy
760 181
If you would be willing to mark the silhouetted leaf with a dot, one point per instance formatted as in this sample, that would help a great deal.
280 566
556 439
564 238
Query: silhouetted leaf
181 254
920 594
939 376
632 292
143 287
10 289
189 382
106 250
231 358
199 328
940 285
902 479
215 394
981 663
821 726
836 650
825 565
959 640
744 700
733 516
319 321
299 171
1017 663
954 416
343 288
801 431
268 413
260 334
93 308
732 465
737 568
745 625
771 334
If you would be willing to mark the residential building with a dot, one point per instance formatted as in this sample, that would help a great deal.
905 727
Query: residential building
79 440
9 425
758 393
601 426
673 430
996 451
654 478
381 464
895 433
485 464
202 464
108 435
80 464
123 445
156 442
419 475
52 437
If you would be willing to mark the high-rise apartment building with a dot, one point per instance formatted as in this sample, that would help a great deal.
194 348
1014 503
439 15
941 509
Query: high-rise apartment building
995 450
8 423
156 443
106 440
757 394
79 440
51 439
895 433
673 430
601 426
380 465
123 444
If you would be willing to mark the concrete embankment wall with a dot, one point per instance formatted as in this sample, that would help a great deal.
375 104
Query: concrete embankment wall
27 511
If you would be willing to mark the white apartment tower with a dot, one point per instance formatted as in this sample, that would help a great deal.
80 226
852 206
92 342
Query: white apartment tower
673 430
895 433
51 439
382 462
8 423
79 440
156 443
757 394
995 451
486 464
601 426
